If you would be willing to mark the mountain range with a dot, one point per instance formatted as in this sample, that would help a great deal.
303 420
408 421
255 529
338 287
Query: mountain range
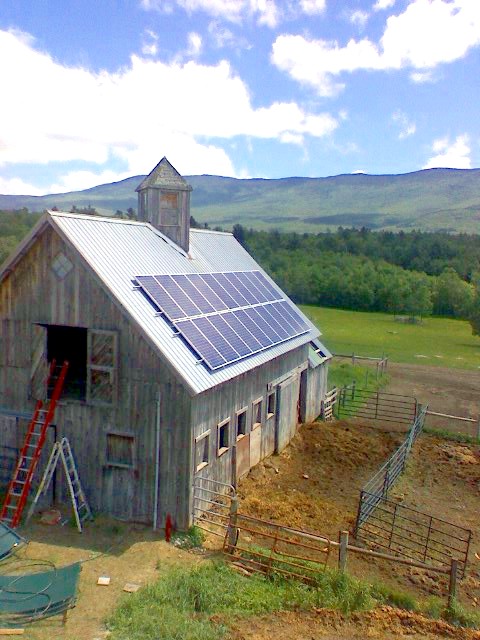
429 200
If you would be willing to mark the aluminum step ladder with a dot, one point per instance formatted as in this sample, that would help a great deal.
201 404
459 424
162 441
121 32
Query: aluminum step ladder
63 451
19 487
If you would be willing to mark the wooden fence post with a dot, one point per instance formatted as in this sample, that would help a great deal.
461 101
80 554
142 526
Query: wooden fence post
232 531
342 551
452 586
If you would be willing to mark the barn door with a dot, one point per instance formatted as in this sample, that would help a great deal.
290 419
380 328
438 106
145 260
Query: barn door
39 367
287 413
102 367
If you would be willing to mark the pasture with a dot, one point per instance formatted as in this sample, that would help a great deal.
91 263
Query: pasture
436 341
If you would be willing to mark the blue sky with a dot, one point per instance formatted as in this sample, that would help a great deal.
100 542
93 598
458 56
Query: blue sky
94 92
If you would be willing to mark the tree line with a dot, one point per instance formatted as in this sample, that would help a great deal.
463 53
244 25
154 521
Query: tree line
374 271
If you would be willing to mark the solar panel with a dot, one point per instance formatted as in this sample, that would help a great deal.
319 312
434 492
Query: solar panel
224 317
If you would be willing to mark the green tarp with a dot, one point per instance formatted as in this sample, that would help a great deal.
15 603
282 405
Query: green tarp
10 541
25 598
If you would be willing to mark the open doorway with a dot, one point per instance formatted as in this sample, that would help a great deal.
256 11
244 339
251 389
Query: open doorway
69 343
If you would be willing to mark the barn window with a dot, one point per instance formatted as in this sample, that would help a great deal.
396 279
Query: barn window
92 358
61 266
121 450
202 450
241 423
223 437
271 401
169 208
257 413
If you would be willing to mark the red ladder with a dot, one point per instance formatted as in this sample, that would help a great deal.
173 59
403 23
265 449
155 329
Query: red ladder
19 486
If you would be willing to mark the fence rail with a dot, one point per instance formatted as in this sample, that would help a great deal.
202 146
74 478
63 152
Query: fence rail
414 534
381 362
328 404
261 546
355 402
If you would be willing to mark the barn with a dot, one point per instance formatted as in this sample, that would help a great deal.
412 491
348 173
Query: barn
185 358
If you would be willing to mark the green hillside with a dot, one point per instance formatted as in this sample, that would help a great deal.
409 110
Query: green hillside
434 199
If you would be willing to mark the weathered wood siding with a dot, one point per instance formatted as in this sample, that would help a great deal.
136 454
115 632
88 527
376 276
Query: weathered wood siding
211 408
150 209
315 390
31 294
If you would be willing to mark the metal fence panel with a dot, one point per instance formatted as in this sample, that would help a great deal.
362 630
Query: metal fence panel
400 529
211 505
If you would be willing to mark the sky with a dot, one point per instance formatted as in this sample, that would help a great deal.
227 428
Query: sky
94 91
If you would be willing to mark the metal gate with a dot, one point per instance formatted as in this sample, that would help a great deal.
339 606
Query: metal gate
407 532
376 405
211 505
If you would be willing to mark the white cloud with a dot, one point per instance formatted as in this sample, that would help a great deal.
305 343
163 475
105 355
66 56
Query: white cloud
17 187
124 115
407 127
359 18
312 7
421 77
292 138
223 37
358 172
381 5
195 44
265 11
78 180
150 40
428 33
454 155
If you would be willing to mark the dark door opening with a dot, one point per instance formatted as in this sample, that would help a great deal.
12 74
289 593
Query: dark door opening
69 343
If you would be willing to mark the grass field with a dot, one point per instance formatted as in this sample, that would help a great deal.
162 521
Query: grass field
437 341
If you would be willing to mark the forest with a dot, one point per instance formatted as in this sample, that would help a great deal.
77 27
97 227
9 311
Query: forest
415 274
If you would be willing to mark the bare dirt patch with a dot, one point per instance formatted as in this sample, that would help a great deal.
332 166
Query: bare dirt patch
450 391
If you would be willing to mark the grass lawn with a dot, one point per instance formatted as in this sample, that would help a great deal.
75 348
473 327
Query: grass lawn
437 341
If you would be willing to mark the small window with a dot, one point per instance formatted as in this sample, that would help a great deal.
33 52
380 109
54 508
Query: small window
223 437
257 413
271 401
169 200
121 450
202 448
241 423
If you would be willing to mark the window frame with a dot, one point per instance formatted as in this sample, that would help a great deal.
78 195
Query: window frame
271 394
111 370
222 425
242 411
127 435
203 436
255 404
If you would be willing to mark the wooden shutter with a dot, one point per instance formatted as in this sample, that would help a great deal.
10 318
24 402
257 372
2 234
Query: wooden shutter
102 367
39 367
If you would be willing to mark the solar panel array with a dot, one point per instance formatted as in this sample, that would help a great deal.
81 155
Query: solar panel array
224 317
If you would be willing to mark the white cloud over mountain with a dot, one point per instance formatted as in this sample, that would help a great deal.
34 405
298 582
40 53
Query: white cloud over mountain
454 154
55 113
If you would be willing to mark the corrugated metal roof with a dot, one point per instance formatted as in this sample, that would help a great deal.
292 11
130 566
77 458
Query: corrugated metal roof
118 250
